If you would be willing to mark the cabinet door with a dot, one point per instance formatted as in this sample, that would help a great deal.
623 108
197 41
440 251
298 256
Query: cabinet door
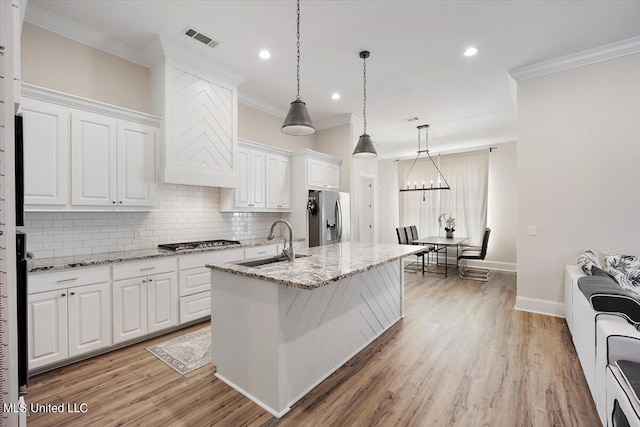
163 301
257 184
272 181
93 160
194 280
47 326
46 152
89 318
315 173
136 164
129 309
242 193
195 307
332 176
284 182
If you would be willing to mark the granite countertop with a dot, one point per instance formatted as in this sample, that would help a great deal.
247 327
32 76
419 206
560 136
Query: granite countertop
325 264
59 263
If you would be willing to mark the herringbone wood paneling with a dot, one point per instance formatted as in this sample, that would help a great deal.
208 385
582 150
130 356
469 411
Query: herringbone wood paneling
202 123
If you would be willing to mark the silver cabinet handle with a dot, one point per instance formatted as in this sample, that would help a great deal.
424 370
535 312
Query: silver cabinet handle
67 280
147 268
113 201
144 280
72 293
120 202
63 295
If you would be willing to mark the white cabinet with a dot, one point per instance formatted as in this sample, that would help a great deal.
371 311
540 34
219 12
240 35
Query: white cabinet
136 164
89 318
278 182
251 189
93 160
196 306
112 161
323 175
103 154
46 153
142 302
200 145
264 183
47 320
68 321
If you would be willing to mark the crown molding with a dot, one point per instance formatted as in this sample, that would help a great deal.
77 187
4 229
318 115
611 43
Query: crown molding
72 101
578 59
57 24
261 106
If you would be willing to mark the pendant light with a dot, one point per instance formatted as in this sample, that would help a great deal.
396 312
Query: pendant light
364 148
424 187
298 122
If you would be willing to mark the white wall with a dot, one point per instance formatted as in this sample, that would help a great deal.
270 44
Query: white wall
578 180
388 204
502 207
336 142
257 126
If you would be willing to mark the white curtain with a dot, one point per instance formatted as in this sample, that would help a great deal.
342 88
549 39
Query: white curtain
467 175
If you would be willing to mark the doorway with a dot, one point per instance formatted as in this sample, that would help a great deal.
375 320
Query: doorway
365 208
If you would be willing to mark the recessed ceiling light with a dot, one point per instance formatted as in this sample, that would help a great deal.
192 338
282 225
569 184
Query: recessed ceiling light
264 54
335 96
471 51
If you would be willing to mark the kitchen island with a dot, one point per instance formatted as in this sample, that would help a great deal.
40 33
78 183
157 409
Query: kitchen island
280 329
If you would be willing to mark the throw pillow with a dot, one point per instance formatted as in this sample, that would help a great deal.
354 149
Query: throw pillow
625 269
598 272
588 260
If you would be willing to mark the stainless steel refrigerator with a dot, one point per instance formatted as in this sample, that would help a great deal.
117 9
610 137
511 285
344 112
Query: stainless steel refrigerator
329 217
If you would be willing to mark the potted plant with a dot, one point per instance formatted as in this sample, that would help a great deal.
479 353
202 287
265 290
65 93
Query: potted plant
449 224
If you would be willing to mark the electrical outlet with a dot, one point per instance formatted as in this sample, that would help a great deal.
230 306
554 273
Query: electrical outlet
137 234
532 230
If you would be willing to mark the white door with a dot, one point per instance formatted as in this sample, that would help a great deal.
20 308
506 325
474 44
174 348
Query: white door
89 318
332 176
244 170
136 164
365 208
163 301
46 153
257 185
93 160
47 326
129 309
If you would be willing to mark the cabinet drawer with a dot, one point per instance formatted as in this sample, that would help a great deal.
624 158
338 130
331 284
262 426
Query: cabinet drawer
194 280
144 268
195 307
63 279
260 252
200 259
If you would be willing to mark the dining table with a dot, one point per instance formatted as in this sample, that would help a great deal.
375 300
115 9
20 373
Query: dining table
441 243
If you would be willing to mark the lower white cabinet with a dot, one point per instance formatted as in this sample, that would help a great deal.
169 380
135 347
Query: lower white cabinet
143 305
68 322
195 306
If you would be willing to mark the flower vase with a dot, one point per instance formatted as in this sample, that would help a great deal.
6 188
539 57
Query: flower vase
450 234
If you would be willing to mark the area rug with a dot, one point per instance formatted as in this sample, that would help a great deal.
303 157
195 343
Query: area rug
186 353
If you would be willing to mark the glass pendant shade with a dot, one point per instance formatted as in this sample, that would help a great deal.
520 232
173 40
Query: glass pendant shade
364 148
298 122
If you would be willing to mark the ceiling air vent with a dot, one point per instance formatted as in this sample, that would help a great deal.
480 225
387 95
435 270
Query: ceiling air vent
197 35
411 119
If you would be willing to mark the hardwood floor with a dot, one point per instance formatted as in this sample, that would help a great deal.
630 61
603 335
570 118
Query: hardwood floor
462 356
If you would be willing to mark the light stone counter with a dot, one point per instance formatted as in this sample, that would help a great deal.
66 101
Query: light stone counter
59 263
324 265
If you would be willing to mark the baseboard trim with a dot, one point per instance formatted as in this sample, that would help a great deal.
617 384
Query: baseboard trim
540 306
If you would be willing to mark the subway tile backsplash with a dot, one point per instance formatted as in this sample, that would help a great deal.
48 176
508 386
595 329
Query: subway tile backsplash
184 213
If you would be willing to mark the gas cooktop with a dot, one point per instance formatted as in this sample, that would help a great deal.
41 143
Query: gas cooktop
203 244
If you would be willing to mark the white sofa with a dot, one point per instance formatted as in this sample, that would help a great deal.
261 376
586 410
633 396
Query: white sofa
591 332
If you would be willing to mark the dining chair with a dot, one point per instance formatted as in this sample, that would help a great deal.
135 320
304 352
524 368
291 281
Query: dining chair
475 253
405 238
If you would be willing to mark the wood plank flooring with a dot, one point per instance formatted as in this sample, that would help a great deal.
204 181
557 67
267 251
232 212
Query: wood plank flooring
462 357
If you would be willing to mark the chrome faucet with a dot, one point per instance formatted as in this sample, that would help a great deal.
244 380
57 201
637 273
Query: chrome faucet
286 252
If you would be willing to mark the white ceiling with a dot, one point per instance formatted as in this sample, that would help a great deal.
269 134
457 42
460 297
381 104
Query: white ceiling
416 66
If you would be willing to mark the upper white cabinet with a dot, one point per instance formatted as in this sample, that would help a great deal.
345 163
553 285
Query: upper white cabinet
82 155
264 183
278 181
323 174
200 110
46 153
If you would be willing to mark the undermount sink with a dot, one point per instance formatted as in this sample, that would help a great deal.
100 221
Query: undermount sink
259 262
